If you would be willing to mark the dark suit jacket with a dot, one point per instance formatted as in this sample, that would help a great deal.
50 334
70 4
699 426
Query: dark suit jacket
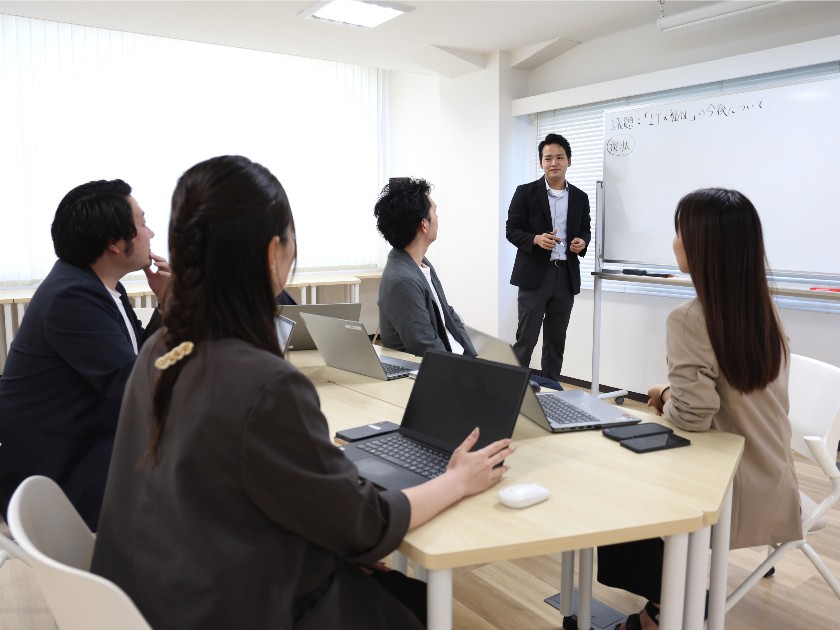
250 510
530 214
62 386
409 319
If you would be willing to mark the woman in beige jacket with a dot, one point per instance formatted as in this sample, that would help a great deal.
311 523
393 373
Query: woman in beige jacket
728 366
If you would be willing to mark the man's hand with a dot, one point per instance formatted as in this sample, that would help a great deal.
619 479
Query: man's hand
577 245
546 240
158 280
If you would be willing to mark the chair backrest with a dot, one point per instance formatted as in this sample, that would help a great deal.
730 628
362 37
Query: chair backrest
60 547
814 405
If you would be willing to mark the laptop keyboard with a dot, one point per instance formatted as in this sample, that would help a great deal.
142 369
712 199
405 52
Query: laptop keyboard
409 454
561 412
395 370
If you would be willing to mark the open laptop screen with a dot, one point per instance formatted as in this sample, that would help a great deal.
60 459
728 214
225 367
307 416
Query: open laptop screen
454 394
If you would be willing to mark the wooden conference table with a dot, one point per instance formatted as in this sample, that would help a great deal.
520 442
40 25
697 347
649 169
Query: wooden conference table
601 494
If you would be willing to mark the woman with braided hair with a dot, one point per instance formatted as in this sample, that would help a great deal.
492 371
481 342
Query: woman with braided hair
227 505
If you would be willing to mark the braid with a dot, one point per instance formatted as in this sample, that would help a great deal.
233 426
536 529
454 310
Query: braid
225 213
180 317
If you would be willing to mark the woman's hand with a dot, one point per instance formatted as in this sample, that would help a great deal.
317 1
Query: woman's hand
466 474
655 397
476 471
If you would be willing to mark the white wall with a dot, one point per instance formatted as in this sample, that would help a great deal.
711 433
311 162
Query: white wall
646 49
473 160
477 155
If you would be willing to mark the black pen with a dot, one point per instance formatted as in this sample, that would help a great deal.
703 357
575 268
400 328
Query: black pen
645 272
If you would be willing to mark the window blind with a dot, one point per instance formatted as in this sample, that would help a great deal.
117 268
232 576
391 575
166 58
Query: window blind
80 104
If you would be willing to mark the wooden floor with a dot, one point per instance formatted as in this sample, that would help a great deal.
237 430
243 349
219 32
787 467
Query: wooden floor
509 595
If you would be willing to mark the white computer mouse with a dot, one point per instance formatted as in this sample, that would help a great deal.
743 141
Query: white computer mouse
522 495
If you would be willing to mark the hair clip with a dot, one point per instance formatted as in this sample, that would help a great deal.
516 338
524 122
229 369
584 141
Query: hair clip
172 357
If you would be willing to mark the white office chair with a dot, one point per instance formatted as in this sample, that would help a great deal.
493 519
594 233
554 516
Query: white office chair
815 419
60 547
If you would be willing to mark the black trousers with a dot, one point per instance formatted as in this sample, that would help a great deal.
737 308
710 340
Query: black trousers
548 306
635 567
409 592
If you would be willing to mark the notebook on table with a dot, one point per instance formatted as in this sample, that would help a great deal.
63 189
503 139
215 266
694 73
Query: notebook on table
452 395
301 339
554 411
344 344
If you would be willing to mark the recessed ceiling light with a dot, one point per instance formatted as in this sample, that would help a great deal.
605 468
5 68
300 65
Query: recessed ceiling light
355 12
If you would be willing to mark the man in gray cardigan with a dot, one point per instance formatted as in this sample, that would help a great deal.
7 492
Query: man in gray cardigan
413 312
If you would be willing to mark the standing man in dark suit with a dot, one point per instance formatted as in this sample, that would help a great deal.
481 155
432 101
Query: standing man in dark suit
63 381
548 222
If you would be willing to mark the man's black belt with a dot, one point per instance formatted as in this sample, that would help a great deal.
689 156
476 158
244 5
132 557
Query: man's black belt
558 263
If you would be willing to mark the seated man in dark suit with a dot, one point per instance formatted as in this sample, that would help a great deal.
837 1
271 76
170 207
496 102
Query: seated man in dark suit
413 312
63 381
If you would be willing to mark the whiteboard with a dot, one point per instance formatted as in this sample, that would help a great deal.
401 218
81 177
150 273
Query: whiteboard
779 146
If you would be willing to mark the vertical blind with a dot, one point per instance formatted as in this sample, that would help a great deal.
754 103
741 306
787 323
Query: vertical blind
583 127
80 104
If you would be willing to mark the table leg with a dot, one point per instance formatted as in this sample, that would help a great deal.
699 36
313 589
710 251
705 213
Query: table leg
7 320
584 614
720 565
567 582
695 587
421 573
399 562
354 290
439 603
313 294
673 582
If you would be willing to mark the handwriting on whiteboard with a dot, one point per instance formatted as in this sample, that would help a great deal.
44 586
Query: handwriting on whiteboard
623 144
663 117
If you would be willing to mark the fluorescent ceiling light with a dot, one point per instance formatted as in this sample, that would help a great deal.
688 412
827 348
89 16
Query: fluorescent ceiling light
355 12
716 11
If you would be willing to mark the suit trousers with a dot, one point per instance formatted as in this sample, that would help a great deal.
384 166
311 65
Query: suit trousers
548 306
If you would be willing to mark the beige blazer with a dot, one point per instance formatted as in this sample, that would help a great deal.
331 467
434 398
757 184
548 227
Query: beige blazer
765 503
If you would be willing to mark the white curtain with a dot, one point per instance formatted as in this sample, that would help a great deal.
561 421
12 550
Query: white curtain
80 104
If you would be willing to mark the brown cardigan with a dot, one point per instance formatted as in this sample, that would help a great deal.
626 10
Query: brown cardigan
765 503
250 507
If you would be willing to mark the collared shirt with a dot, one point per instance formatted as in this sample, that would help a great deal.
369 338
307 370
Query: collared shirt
558 202
457 348
118 300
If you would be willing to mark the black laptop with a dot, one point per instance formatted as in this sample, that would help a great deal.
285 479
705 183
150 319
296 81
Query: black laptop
451 396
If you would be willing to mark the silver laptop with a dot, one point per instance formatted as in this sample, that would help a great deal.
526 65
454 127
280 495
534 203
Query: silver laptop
553 410
453 395
344 344
285 327
301 339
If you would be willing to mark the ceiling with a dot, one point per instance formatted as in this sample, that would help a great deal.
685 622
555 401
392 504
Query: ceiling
449 38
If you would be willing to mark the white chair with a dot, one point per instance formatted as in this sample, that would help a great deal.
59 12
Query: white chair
60 547
815 419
